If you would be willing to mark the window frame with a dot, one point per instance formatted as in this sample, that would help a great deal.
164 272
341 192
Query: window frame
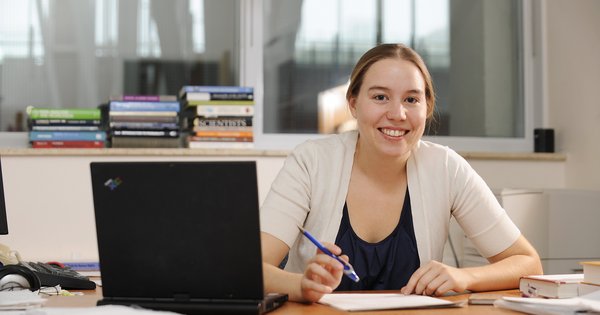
251 74
251 56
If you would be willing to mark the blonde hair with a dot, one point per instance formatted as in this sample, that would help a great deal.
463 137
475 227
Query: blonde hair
390 51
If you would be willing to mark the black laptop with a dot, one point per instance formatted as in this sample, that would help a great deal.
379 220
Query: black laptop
180 236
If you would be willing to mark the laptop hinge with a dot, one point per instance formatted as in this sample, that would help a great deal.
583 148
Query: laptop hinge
181 297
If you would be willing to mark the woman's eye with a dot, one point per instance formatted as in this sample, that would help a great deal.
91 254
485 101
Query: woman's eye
380 97
412 100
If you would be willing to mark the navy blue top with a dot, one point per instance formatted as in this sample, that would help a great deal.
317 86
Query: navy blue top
386 265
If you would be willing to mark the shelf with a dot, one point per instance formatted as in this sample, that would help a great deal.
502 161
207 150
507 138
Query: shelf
499 156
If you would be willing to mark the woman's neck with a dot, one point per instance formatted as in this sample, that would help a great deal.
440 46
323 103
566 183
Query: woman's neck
374 164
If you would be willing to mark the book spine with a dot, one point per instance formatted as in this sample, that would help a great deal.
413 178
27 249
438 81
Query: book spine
64 122
223 122
146 133
144 106
224 110
144 98
64 113
206 96
221 139
65 128
549 286
142 113
216 89
244 129
591 272
67 144
83 266
145 142
207 133
153 119
143 125
220 102
67 135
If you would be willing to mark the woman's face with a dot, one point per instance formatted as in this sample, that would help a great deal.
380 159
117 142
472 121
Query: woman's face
391 108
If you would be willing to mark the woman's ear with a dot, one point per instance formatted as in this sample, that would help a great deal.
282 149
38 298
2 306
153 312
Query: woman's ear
352 106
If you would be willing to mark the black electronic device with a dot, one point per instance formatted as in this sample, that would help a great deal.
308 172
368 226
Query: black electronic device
3 219
180 236
543 140
17 277
50 275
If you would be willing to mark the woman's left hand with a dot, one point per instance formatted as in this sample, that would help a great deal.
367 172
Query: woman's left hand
435 278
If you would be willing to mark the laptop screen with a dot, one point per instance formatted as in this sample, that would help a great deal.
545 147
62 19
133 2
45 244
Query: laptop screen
178 230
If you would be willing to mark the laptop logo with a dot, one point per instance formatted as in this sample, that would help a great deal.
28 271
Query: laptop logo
112 184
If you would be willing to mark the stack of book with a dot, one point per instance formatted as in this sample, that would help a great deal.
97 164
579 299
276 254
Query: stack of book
144 121
551 286
591 277
558 294
219 116
563 285
65 128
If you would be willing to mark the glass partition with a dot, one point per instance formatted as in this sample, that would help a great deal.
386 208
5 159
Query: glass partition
472 48
75 53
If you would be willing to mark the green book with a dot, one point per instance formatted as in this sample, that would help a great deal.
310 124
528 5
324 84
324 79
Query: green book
63 113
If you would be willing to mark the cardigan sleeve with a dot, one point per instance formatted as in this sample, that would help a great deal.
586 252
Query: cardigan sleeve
310 191
477 210
288 202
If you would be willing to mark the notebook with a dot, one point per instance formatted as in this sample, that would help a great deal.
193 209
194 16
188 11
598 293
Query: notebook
180 236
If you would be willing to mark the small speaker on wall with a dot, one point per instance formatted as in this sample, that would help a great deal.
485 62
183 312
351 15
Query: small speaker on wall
543 140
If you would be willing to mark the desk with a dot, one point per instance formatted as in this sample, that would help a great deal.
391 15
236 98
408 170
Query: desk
92 296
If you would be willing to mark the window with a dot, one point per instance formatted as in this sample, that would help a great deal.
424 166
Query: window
298 54
79 53
20 31
474 49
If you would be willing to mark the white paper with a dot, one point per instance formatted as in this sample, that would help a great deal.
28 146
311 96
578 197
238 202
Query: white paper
531 308
99 310
19 300
382 301
89 273
588 302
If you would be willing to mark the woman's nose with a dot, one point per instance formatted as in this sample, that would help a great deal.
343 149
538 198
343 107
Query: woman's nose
396 111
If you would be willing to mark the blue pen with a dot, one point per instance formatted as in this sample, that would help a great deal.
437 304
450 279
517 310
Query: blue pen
348 269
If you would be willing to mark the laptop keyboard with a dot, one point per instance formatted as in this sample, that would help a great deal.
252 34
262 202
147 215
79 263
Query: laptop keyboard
51 275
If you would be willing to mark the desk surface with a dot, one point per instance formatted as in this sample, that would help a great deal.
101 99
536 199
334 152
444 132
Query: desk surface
91 297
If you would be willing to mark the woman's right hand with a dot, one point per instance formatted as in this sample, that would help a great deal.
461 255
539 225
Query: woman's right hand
322 274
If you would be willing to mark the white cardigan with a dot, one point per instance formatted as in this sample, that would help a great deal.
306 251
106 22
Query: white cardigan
311 188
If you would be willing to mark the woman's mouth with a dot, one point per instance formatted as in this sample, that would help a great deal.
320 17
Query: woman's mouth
393 132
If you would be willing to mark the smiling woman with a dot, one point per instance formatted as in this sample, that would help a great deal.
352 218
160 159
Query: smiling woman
382 198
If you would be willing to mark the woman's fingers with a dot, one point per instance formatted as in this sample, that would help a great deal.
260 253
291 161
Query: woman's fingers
318 270
435 278
322 274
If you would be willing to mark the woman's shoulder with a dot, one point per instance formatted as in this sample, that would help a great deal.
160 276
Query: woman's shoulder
428 147
329 145
435 152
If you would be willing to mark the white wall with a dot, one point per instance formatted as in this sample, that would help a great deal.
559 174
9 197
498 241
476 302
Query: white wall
51 214
574 87
521 174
